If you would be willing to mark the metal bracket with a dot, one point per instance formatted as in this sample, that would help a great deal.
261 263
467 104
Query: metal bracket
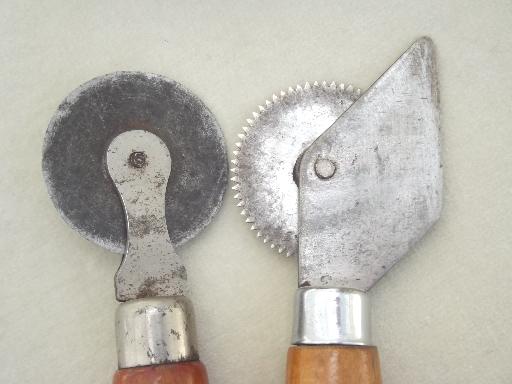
370 186
139 164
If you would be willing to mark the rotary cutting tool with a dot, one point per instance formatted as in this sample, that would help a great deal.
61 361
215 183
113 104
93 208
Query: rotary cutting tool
348 182
137 164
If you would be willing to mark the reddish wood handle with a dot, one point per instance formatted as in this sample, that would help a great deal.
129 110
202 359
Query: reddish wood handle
333 365
192 372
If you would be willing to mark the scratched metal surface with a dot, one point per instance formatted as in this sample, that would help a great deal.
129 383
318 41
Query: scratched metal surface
386 191
267 152
441 315
88 120
150 266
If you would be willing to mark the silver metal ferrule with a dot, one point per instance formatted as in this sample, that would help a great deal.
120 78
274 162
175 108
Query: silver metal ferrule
331 316
155 330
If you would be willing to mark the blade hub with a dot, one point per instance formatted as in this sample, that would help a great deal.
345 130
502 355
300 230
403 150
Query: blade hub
325 168
137 159
267 158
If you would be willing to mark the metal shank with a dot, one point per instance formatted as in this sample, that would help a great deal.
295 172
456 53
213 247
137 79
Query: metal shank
155 330
386 190
139 164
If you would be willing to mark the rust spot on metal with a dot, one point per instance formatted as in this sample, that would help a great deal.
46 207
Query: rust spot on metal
149 288
176 334
144 225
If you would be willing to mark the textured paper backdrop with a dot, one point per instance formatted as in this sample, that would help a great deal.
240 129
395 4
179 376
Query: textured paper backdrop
443 315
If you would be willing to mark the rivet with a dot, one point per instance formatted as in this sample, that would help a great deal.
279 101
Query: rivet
137 159
324 168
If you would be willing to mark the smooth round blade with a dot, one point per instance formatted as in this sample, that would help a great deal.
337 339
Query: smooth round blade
93 115
267 154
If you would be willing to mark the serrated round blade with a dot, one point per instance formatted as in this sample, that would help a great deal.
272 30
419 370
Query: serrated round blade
265 157
89 119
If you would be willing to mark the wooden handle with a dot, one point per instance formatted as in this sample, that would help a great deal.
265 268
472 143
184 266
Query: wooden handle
333 365
192 372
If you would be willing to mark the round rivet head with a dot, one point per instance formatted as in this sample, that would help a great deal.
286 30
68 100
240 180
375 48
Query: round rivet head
324 168
137 159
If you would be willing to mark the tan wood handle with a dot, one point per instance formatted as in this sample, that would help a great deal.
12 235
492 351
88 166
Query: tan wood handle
333 364
192 372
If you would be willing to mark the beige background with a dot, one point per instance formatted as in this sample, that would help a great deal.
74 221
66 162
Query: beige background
443 315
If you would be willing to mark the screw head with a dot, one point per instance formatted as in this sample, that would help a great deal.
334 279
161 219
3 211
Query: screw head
325 168
137 159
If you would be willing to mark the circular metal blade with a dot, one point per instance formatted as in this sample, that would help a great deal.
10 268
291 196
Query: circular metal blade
267 153
93 115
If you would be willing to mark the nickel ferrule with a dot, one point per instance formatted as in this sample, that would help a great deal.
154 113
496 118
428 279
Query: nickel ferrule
155 330
331 316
